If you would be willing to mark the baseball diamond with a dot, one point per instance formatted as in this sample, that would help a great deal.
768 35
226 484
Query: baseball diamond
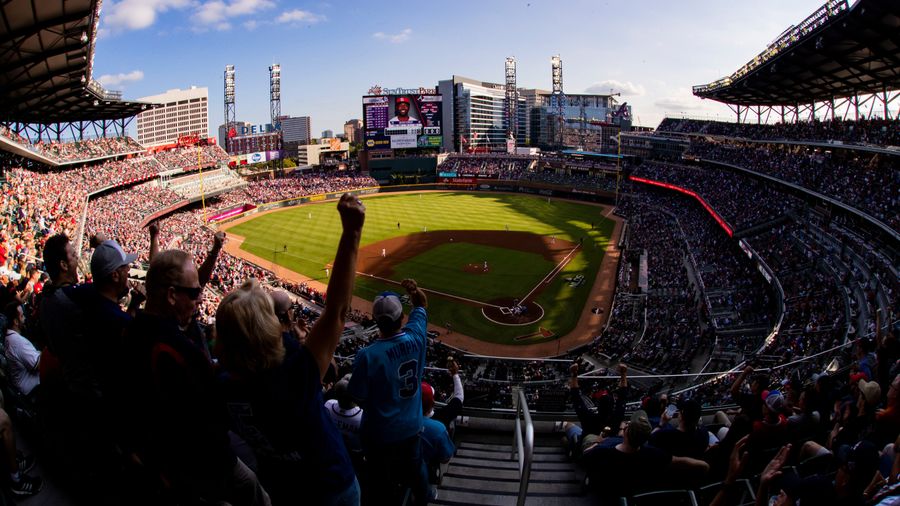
496 265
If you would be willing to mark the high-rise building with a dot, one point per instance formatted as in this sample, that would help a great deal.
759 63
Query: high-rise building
591 122
353 130
474 115
327 134
184 112
296 129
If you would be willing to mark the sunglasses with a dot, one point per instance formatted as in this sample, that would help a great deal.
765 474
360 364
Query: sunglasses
191 291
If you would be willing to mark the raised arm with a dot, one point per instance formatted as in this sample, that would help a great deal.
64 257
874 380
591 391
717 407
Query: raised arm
153 228
204 273
324 336
416 296
736 386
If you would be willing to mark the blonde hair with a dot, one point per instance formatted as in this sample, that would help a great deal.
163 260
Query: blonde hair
249 333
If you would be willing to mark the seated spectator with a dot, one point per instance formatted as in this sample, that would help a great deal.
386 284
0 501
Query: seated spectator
346 415
623 466
688 439
23 360
602 418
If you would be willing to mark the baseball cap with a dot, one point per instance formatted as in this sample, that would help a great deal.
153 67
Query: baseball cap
861 458
775 401
387 305
109 256
639 429
281 301
402 100
855 377
871 390
427 398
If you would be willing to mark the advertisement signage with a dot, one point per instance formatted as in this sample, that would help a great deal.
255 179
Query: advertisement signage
257 157
407 121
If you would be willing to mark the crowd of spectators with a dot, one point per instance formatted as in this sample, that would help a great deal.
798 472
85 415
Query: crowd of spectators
741 200
494 166
77 151
866 181
876 131
190 158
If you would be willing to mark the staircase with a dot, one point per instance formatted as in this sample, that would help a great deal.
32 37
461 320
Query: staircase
483 472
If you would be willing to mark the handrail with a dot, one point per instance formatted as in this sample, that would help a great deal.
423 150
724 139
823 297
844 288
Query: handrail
523 446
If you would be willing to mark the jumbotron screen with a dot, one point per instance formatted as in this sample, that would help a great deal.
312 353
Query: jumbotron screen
402 121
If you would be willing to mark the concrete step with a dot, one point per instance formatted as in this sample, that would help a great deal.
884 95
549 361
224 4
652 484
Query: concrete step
456 498
510 464
469 445
560 476
495 455
478 484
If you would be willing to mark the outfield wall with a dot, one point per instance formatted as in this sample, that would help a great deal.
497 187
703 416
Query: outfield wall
526 188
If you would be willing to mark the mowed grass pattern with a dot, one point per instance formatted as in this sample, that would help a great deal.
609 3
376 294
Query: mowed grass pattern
510 273
311 233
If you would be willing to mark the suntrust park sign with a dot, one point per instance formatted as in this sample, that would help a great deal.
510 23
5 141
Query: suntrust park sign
378 90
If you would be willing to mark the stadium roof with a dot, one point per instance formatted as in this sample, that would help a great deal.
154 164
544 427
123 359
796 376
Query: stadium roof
838 51
46 55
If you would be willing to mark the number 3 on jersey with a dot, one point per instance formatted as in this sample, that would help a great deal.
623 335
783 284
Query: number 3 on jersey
409 383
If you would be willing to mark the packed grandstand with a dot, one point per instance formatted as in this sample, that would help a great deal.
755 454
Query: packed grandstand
750 350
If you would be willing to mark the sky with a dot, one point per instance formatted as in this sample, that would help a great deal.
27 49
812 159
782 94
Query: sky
651 51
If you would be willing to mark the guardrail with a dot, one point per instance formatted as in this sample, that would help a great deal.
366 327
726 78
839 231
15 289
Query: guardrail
523 446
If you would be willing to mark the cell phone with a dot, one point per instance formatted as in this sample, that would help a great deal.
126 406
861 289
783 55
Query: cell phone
671 409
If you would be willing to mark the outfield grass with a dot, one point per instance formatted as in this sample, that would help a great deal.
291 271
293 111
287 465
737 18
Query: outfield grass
311 234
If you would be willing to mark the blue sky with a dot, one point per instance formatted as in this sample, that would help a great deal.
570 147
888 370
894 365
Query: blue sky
331 53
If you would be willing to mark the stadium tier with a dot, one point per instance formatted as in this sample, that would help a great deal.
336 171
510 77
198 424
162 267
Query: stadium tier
713 323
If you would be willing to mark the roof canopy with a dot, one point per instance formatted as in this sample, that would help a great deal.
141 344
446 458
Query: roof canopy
838 51
46 55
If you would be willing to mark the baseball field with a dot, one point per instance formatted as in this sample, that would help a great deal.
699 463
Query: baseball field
506 269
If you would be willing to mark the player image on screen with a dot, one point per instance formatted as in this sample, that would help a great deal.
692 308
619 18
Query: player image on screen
402 111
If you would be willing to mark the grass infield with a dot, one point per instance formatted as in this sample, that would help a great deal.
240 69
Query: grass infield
305 238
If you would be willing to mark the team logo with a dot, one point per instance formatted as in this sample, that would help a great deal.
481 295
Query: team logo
256 157
375 90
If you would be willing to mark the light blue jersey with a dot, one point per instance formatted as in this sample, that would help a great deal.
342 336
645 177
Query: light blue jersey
386 381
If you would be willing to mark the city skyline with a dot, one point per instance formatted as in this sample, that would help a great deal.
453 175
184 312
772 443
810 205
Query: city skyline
331 55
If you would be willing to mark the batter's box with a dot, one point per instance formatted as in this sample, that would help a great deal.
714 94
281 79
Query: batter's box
505 310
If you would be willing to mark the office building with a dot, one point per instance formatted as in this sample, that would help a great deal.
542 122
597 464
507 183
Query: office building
183 112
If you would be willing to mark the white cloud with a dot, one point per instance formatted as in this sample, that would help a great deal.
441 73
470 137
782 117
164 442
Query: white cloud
137 14
626 88
113 80
681 100
394 38
215 13
297 15
251 25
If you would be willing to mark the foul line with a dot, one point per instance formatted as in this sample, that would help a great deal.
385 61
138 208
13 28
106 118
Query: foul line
552 273
515 324
449 295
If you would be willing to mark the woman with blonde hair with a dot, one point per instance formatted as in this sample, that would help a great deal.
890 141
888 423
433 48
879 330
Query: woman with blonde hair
274 395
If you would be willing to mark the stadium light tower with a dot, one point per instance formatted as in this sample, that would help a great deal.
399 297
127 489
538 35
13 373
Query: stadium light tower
275 95
229 106
512 99
558 98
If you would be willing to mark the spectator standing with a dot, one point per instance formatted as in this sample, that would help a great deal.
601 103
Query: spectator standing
274 394
386 381
177 421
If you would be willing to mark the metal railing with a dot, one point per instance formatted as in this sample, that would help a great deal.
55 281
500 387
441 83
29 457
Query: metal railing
523 446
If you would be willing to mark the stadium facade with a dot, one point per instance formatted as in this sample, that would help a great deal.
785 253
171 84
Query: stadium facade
183 112
475 115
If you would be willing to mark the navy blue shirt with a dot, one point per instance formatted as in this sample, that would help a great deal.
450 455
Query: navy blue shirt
281 414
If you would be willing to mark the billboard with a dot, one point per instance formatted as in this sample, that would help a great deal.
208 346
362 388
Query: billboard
407 121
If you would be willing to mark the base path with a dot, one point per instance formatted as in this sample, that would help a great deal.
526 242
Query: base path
371 262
